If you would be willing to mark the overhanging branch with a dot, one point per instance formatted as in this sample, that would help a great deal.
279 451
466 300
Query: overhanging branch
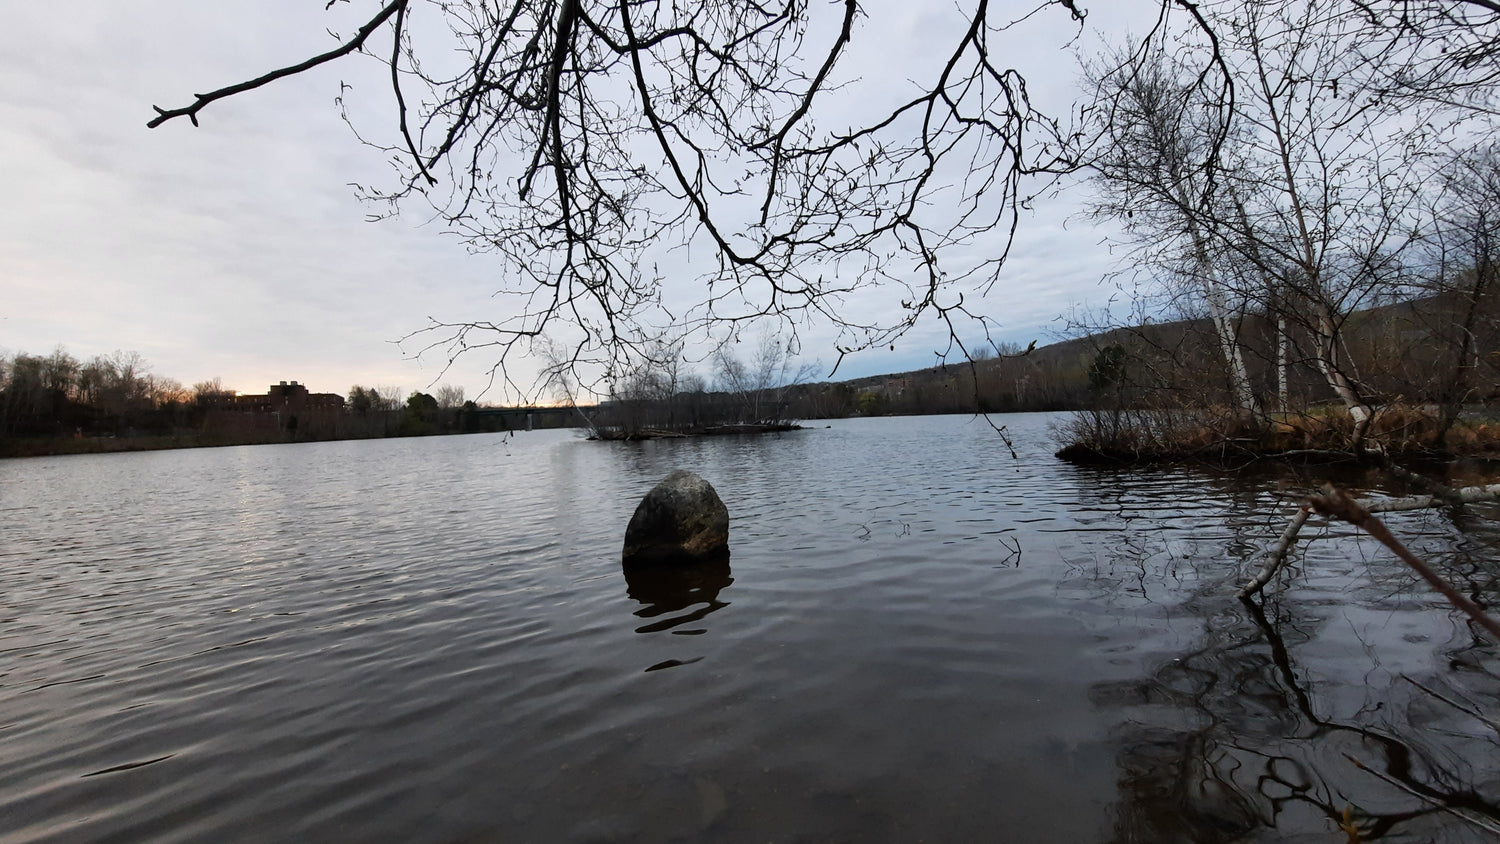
352 45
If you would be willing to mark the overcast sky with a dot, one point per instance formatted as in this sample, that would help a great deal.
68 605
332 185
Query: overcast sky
238 250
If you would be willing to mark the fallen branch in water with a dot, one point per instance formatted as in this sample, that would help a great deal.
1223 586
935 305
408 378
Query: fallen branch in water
1336 504
1468 495
1467 710
1276 557
1482 823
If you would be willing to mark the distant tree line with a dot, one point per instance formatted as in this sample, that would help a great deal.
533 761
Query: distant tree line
768 386
1411 352
57 402
1000 378
117 394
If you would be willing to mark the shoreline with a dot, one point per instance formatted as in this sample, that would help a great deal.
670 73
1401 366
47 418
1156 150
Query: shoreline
706 431
22 448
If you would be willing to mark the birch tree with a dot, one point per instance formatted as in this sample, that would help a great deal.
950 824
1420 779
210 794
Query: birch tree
1154 135
1308 177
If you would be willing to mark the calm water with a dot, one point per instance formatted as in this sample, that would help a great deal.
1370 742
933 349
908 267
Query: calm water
918 638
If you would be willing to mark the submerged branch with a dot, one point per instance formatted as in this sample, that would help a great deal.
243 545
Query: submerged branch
1335 503
1455 811
1276 557
1467 710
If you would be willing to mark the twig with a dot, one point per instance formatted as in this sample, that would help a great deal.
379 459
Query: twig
1336 504
1483 824
1472 713
1015 551
352 45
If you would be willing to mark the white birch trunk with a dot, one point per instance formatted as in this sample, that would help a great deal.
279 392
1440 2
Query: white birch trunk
1325 342
1283 394
1239 375
1218 311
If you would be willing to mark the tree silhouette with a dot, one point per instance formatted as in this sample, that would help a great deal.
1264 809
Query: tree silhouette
571 138
576 140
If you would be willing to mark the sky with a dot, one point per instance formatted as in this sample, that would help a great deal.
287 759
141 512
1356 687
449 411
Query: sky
238 250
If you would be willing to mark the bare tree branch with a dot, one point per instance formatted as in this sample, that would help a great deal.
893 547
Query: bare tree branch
351 46
581 142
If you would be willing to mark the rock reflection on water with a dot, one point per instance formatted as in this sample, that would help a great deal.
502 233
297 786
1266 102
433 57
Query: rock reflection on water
668 591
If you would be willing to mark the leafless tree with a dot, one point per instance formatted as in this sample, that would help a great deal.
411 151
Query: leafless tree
120 383
388 397
60 372
760 384
1461 279
642 395
578 140
449 396
655 376
1308 186
1437 54
574 139
211 392
167 391
1154 132
384 399
93 378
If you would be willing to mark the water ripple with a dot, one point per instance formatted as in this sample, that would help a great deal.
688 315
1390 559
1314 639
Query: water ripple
916 637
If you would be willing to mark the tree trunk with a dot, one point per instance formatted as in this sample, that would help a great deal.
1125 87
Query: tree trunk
1239 376
1325 344
1218 310
1283 394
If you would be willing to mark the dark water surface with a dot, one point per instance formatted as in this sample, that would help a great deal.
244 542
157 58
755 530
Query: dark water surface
918 638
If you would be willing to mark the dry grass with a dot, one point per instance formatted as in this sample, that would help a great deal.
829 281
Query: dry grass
1143 434
1133 435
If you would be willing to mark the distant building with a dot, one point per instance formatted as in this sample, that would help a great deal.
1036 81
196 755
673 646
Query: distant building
289 397
285 408
891 387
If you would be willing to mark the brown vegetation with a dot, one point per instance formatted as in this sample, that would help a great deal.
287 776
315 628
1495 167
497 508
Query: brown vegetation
1130 435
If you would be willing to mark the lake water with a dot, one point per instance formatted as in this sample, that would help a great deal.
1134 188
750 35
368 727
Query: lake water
918 637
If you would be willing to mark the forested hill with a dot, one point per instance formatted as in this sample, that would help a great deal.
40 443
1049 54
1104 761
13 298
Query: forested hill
1399 352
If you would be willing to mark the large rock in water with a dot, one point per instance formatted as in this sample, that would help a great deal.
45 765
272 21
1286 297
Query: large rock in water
681 520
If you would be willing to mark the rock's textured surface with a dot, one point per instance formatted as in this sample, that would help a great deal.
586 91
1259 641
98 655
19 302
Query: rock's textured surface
681 520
